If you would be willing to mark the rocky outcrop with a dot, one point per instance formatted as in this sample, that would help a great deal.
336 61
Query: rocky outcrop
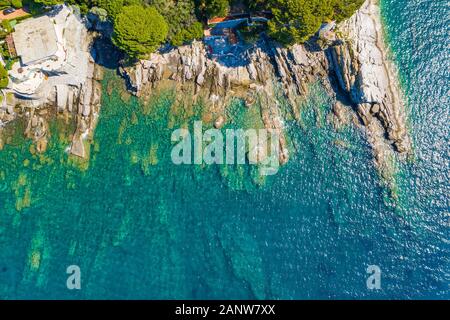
364 71
73 90
358 60
82 103
268 65
87 111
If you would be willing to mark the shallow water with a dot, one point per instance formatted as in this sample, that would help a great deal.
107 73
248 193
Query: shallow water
140 227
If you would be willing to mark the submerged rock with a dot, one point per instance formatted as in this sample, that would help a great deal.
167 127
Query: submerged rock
219 123
358 60
268 64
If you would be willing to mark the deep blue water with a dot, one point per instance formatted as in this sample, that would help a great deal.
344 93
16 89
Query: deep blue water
140 227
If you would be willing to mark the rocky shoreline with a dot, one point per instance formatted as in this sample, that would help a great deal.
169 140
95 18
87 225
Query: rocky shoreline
369 78
355 67
189 66
70 93
81 103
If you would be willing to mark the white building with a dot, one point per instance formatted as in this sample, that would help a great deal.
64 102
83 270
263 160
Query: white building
36 41
53 50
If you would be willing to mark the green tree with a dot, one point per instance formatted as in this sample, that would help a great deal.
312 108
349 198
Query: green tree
114 7
180 15
49 2
344 9
139 31
4 79
295 21
215 8
17 3
195 31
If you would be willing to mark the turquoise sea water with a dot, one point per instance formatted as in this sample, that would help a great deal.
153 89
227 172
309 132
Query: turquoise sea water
140 227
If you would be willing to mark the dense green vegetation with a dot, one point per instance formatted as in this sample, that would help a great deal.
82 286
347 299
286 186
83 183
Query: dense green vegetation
296 21
4 80
182 19
142 25
139 31
213 8
10 3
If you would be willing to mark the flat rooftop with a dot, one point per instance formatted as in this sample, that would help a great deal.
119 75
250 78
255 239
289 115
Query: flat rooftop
35 40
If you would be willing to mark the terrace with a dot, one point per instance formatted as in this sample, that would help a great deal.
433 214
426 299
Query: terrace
228 38
52 51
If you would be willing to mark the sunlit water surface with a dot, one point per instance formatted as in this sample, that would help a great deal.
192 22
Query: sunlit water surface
140 227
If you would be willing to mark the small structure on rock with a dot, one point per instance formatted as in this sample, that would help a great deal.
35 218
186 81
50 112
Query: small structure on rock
53 51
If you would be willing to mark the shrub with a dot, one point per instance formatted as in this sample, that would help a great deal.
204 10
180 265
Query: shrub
4 79
17 3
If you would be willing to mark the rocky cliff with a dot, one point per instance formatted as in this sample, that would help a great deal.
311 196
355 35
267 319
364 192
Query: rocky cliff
355 66
72 91
268 68
365 72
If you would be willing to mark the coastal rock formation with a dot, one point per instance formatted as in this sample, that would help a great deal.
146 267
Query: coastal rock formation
357 58
364 71
68 85
355 64
268 66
